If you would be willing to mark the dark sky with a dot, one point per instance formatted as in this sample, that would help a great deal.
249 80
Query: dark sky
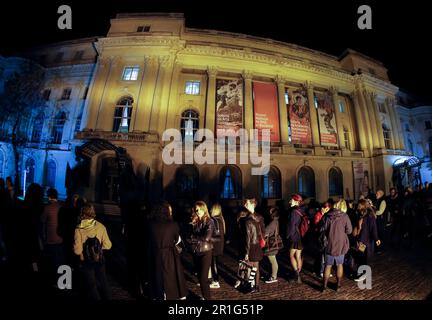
399 38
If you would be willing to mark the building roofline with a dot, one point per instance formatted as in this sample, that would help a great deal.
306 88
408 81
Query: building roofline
351 51
176 15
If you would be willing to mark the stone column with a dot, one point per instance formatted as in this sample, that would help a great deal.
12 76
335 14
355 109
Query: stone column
313 115
167 68
360 122
396 126
173 98
283 113
372 97
339 125
248 108
144 106
365 112
211 99
372 119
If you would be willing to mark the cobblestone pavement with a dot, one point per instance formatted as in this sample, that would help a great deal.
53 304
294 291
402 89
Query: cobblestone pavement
396 275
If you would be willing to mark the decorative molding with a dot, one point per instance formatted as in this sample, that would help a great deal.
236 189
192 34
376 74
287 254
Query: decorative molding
212 71
247 75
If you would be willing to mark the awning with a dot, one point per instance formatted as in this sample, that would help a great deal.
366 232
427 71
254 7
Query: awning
93 147
407 163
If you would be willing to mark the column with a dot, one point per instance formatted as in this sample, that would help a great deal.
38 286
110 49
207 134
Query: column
371 117
248 117
145 100
372 97
211 99
364 111
396 126
339 125
313 115
360 122
160 94
166 69
283 113
174 97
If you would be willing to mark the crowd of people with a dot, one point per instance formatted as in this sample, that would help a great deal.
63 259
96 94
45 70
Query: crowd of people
337 234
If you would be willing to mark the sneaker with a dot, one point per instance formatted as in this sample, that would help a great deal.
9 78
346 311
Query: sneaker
237 284
215 285
271 280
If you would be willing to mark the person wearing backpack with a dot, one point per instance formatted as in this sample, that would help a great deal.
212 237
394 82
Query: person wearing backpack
218 242
296 229
91 238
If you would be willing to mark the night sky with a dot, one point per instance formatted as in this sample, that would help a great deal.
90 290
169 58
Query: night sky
400 38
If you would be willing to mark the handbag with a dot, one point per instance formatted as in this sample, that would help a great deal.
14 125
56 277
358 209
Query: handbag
262 241
361 246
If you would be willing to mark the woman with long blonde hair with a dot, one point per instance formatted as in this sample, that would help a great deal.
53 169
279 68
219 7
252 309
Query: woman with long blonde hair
202 246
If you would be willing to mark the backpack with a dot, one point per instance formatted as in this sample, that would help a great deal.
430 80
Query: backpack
92 251
217 231
304 225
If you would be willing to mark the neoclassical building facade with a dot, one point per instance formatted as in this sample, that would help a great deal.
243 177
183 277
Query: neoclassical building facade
335 129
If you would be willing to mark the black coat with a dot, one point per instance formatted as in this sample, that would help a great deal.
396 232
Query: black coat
271 232
252 229
166 270
218 241
293 227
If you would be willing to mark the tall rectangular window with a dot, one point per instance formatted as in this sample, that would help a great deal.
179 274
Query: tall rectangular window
192 87
66 94
78 55
341 107
46 94
381 107
130 73
428 125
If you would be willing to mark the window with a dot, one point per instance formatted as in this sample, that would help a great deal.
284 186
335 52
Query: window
271 183
143 29
46 94
130 73
306 182
59 57
230 183
50 174
66 94
346 138
428 125
189 124
78 55
122 115
387 136
407 128
341 107
381 107
85 93
78 119
37 127
58 126
187 182
286 97
316 102
192 87
30 170
410 146
335 182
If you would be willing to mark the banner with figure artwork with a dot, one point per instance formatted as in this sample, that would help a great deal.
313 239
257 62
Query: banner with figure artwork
361 178
327 119
266 112
229 105
299 117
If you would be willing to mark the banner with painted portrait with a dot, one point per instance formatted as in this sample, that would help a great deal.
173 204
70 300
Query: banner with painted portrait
229 105
266 112
326 119
299 117
361 178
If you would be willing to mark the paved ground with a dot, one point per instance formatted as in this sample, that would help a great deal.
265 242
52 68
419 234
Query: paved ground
396 275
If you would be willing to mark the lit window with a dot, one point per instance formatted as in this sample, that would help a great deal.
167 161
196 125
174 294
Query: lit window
306 182
130 73
346 138
230 183
192 87
189 124
122 115
286 97
387 136
187 181
316 102
271 184
341 107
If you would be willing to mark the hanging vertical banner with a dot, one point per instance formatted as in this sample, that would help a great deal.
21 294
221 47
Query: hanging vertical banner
229 106
299 118
361 178
266 112
327 120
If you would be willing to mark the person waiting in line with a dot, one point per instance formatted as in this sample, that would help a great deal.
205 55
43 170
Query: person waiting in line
218 242
91 238
166 271
337 227
201 245
381 215
273 243
318 229
294 236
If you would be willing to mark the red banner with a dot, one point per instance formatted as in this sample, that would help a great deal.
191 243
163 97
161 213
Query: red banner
266 112
298 111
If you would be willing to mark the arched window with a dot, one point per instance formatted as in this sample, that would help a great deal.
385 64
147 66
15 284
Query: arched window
50 173
335 182
37 127
122 115
306 182
187 178
230 185
30 170
387 136
58 126
271 184
189 124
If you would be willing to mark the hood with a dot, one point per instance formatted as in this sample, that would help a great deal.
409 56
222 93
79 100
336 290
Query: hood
87 224
334 214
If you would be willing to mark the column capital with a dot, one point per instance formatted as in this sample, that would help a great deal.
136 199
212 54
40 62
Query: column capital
280 80
165 61
247 75
151 60
334 90
308 85
212 71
